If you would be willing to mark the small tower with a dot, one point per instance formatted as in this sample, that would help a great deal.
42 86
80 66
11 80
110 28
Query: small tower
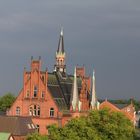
93 93
75 103
60 55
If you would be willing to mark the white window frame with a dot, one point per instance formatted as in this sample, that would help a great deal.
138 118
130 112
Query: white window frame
17 110
51 112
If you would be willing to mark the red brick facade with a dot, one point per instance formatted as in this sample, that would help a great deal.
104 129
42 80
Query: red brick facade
128 110
36 100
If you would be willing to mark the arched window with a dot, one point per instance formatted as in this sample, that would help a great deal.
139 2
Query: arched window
17 110
35 91
30 111
51 112
34 110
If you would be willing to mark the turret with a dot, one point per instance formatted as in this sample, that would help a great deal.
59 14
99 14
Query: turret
60 55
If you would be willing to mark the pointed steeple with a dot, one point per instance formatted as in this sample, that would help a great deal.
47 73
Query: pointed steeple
60 55
61 43
76 104
93 92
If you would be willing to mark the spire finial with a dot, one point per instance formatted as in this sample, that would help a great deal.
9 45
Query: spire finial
93 74
61 31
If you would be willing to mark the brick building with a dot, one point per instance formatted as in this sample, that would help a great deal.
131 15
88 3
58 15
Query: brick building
127 110
54 97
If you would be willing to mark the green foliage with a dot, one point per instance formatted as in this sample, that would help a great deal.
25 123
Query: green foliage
6 101
36 136
99 125
137 134
111 125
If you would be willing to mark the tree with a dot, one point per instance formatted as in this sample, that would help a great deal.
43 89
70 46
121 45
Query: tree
6 101
36 136
99 125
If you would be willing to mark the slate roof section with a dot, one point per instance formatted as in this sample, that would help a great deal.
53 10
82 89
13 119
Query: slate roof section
16 125
121 106
61 88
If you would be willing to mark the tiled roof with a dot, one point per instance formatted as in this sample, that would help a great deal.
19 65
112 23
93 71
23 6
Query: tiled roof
16 125
120 106
61 88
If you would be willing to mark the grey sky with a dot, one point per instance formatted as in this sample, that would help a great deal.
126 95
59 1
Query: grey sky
104 34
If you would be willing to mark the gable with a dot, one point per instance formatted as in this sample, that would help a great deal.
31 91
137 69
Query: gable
107 104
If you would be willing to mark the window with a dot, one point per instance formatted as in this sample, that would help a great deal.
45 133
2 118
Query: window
34 110
33 126
51 112
38 111
37 127
61 62
43 78
27 93
30 111
128 109
18 111
42 94
35 91
29 126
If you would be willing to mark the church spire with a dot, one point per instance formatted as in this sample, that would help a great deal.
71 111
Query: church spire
60 55
93 92
61 43
75 103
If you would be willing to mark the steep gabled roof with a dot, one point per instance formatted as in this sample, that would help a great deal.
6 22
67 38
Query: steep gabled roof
107 104
61 88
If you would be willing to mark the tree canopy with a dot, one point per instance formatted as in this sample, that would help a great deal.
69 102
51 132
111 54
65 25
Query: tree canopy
98 125
6 101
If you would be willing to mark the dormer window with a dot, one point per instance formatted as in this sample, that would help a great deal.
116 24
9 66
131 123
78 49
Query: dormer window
35 91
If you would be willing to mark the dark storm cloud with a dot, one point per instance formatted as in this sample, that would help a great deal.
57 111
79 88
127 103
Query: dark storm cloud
100 34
